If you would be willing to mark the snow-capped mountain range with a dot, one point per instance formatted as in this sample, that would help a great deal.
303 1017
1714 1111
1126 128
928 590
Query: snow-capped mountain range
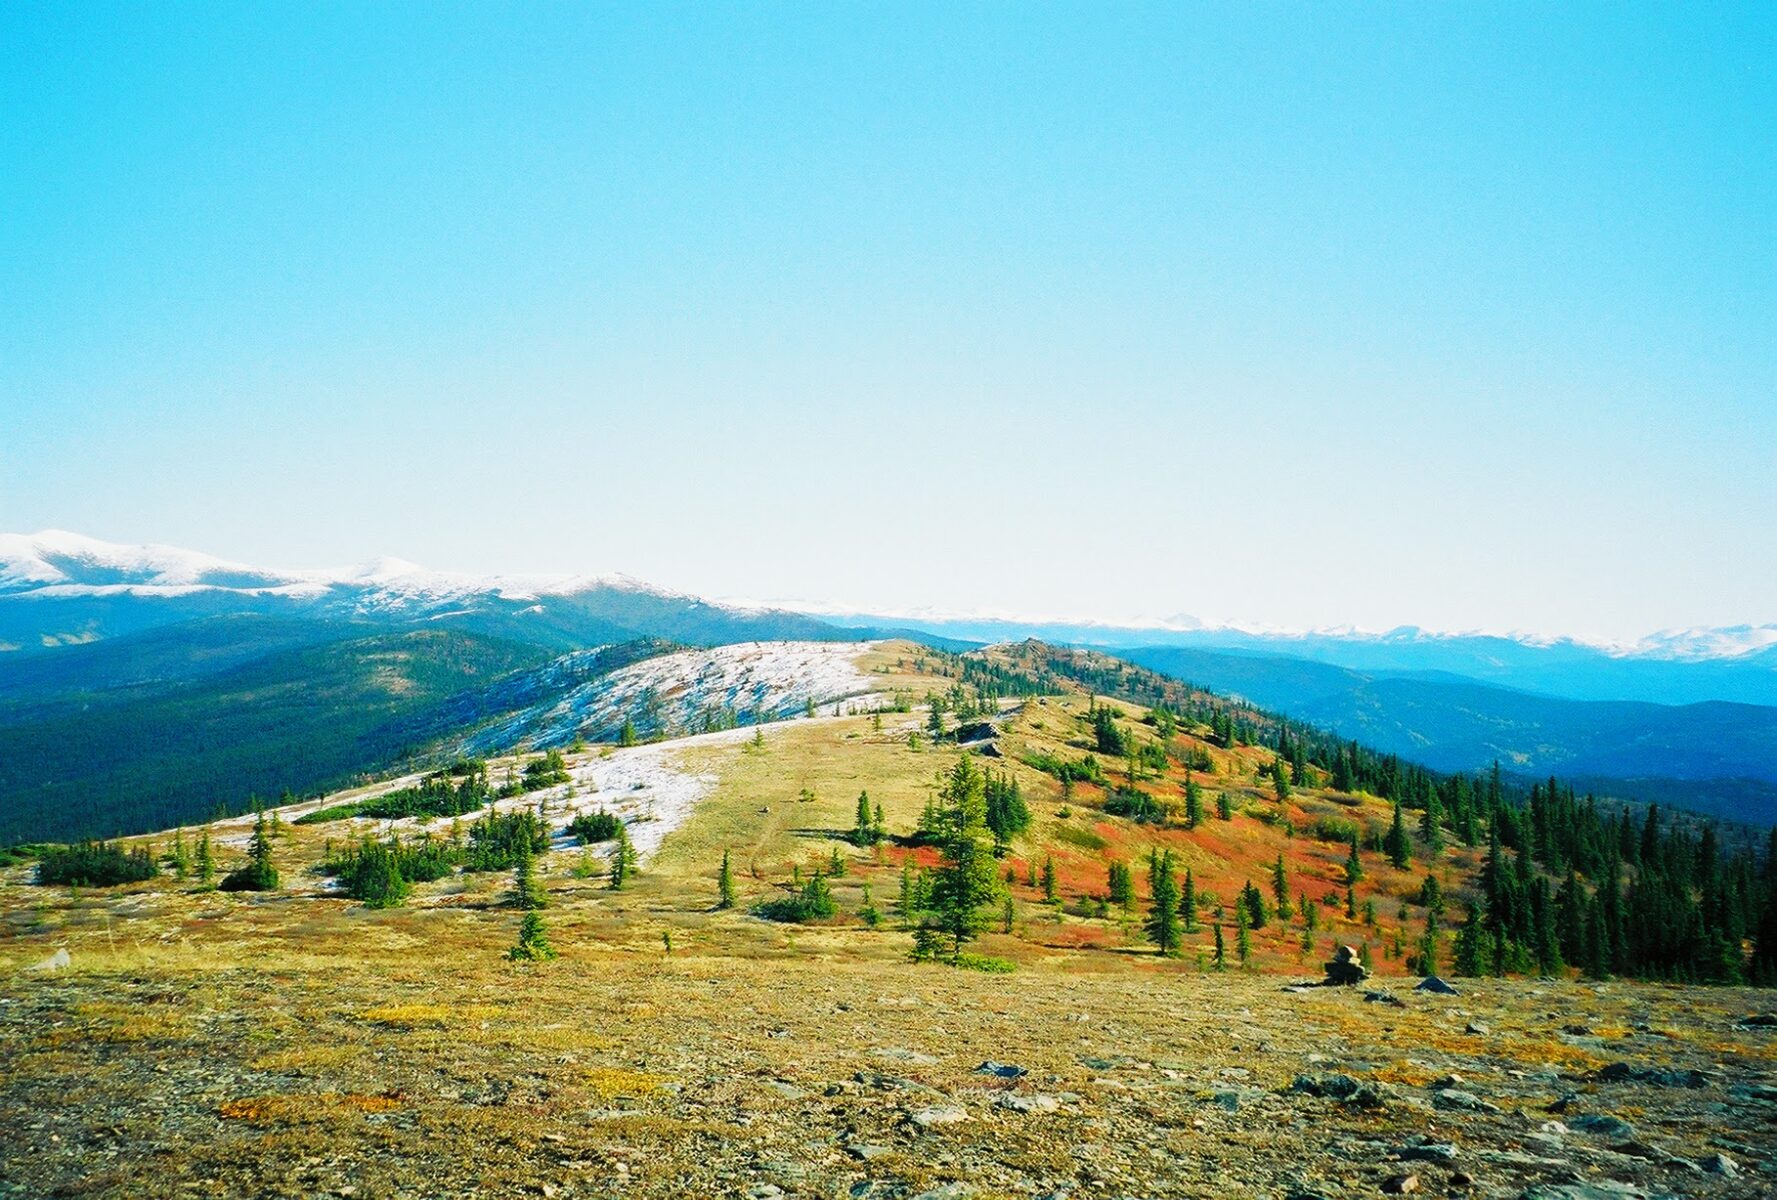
56 563
59 588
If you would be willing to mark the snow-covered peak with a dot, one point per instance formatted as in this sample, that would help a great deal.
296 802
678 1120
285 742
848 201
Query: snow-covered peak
57 563
56 558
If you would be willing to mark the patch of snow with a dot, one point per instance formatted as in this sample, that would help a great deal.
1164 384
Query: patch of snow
645 786
676 693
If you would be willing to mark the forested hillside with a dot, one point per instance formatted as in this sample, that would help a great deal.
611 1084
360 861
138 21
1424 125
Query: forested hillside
151 755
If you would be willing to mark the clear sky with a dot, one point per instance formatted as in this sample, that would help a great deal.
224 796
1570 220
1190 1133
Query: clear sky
1458 315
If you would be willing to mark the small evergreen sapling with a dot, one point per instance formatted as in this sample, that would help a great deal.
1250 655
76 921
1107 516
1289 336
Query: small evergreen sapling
623 859
533 940
526 893
725 884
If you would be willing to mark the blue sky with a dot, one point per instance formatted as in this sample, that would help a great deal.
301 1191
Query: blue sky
1453 315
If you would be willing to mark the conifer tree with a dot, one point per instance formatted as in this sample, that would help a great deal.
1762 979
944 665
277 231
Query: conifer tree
181 855
206 862
1193 802
1049 894
526 894
1280 777
1350 901
965 879
1253 902
1473 945
626 736
623 859
1243 943
259 875
1431 823
1280 888
725 884
1188 902
864 831
1119 885
1398 844
1163 907
1221 955
1224 807
1354 866
533 940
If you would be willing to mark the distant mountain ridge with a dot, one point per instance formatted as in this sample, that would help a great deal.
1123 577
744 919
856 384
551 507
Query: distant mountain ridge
59 589
1734 663
89 628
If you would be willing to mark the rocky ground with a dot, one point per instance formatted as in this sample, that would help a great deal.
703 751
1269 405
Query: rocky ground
642 1074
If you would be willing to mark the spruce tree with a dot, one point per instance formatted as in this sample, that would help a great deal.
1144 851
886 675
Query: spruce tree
533 940
725 884
1243 943
1354 866
966 878
1221 955
1398 844
1431 822
526 894
1193 802
206 862
1050 896
1473 957
181 855
259 875
1119 885
623 859
1280 889
1163 908
1188 902
1280 777
864 831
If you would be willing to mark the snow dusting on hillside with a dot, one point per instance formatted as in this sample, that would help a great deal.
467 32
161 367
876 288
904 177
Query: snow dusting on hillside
690 690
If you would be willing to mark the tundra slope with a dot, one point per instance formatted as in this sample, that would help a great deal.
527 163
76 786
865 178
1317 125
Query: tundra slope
297 1044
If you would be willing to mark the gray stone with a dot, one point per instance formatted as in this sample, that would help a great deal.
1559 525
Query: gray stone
1344 969
1622 1072
1443 1152
1721 1164
1339 1087
1601 1125
938 1116
999 1070
1013 1102
1603 1189
948 1191
59 961
897 1054
1431 983
1457 1100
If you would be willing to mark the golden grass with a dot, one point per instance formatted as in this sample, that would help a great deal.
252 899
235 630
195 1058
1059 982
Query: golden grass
428 1016
302 1109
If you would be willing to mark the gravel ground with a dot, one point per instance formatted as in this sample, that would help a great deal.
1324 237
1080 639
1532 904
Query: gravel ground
434 1072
